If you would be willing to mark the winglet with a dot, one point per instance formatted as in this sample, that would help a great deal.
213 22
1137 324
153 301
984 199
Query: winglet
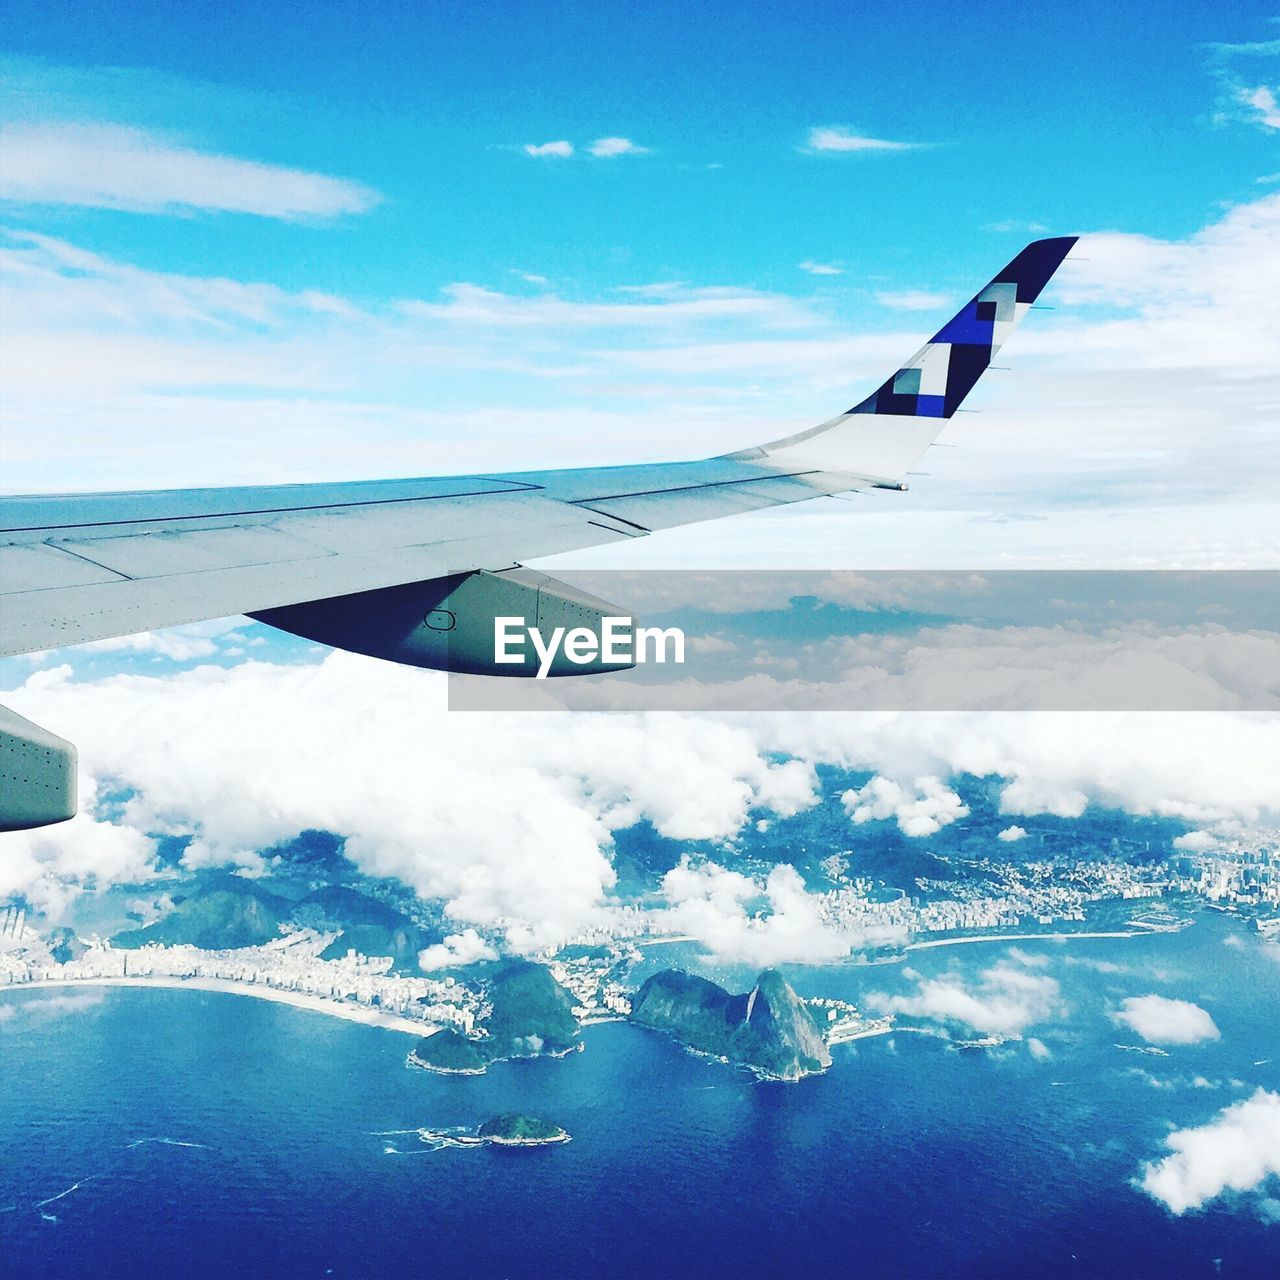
935 381
881 438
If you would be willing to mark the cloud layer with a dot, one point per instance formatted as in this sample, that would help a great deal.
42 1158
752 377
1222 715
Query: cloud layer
509 818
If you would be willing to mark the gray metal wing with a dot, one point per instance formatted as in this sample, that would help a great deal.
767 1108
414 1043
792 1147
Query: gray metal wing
88 566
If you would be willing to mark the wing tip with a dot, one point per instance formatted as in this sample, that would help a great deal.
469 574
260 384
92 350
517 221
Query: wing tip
1033 268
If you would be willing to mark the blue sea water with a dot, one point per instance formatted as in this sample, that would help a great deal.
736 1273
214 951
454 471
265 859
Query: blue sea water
179 1133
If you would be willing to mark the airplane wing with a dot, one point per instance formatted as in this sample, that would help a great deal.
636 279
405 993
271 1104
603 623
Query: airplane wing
333 561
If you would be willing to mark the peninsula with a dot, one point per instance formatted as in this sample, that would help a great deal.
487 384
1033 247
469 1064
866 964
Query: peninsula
530 1014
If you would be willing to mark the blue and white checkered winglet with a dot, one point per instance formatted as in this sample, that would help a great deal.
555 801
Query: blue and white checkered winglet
880 438
935 381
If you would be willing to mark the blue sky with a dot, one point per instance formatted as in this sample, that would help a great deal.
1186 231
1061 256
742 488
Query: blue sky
1081 117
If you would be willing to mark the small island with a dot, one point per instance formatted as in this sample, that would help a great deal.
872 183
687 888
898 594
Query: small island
512 1129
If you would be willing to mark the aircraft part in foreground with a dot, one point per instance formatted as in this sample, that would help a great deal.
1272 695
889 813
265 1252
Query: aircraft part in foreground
37 775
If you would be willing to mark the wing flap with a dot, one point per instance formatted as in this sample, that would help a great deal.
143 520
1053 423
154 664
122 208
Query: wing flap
40 567
170 551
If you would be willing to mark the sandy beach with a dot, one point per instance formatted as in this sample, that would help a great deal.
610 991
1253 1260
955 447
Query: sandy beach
1026 937
223 986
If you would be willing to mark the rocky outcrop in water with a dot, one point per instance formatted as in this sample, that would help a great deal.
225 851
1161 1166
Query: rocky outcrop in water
768 1029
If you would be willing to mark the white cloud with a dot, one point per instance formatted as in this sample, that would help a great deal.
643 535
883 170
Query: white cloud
112 166
820 268
179 644
1008 225
457 949
1011 834
1005 1000
57 1006
914 300
1038 1049
1163 1021
921 810
1190 297
742 920
1230 48
1196 842
245 860
711 643
51 866
606 148
45 1006
831 138
559 149
1263 101
647 305
1237 1151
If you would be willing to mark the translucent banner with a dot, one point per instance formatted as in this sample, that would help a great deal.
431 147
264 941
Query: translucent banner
892 641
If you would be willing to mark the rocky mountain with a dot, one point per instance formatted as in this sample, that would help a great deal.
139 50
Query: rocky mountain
368 926
768 1029
219 919
223 912
530 1014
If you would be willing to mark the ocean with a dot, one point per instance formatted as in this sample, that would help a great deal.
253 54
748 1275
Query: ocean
180 1133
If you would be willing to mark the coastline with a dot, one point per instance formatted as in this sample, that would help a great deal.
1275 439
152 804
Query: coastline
452 1138
1032 937
408 1026
898 956
557 1141
225 986
419 1064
